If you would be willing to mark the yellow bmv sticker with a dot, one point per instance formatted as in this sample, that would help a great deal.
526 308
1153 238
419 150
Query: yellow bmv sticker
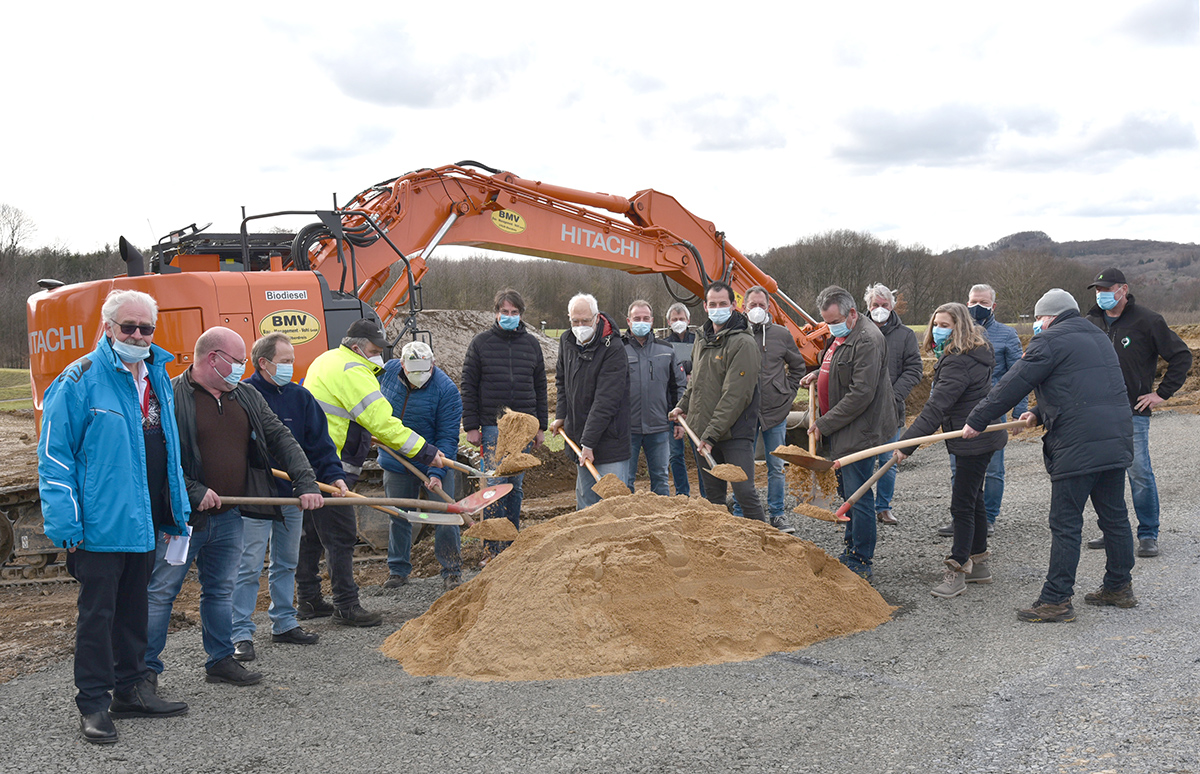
298 326
508 221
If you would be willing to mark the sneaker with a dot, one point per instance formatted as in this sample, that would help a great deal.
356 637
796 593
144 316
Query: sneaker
307 609
886 517
451 582
1122 597
1147 547
1095 543
954 580
244 650
296 636
356 616
781 524
1043 612
229 671
946 530
396 581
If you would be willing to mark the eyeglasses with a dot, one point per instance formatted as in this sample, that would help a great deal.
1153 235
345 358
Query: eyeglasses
584 321
147 330
231 360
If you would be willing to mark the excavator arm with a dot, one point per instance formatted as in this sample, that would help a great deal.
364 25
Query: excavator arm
457 205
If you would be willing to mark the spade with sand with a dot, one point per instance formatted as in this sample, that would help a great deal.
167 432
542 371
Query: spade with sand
731 473
609 485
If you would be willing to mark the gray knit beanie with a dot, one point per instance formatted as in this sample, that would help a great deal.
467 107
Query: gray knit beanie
1055 302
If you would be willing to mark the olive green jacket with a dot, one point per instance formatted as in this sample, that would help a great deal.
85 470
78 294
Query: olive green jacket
722 397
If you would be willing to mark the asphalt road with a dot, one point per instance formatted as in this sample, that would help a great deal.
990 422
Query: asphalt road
946 686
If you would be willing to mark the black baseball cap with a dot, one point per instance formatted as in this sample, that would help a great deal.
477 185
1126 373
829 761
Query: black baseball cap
1108 278
369 330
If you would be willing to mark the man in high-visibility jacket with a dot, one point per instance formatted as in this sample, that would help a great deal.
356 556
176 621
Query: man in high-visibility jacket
344 382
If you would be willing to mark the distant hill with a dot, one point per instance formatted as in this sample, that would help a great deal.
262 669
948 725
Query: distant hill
1144 261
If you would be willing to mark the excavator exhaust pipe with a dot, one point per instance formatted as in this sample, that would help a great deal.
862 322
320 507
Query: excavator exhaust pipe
135 262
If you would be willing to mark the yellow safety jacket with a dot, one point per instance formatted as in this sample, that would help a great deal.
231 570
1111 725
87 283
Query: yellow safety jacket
345 386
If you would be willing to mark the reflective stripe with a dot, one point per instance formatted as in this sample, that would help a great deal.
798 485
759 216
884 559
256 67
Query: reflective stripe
364 403
355 469
336 411
352 364
409 447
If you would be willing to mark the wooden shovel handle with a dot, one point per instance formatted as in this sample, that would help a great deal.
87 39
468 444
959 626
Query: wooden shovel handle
579 453
887 447
331 489
708 457
862 490
812 417
424 479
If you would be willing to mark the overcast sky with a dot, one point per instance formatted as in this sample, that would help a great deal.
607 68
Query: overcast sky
946 124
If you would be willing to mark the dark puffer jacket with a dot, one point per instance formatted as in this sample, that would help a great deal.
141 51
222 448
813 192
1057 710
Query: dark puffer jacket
904 361
1081 399
593 392
503 369
960 381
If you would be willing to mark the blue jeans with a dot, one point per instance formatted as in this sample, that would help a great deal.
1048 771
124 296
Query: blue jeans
885 487
776 487
860 530
509 506
1142 487
284 537
679 471
447 542
584 496
658 455
216 550
993 483
1067 498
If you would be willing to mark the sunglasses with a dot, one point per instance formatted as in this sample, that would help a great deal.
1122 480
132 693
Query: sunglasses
147 330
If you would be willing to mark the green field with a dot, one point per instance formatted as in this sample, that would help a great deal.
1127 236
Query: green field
14 389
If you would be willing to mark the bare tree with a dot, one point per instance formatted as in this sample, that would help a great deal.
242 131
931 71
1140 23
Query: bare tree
15 229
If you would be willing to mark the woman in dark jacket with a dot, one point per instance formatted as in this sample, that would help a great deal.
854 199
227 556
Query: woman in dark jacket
962 378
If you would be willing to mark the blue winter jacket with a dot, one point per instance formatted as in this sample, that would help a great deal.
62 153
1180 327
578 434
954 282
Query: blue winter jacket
92 455
299 412
434 411
1006 346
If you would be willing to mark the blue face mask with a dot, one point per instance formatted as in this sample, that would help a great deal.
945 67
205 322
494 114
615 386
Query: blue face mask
640 329
1106 299
130 353
720 315
839 330
283 373
1037 327
941 335
509 322
237 371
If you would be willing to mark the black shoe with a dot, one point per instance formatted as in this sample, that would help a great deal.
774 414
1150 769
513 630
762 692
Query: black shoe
97 728
946 530
356 616
396 581
296 636
141 701
307 609
1122 597
1147 547
229 671
1096 542
244 650
152 678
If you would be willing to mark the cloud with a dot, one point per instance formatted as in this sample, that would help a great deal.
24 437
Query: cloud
942 135
366 139
1140 135
1101 148
381 66
728 123
1139 205
1164 22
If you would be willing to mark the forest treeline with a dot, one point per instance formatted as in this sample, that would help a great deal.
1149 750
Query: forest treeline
1021 268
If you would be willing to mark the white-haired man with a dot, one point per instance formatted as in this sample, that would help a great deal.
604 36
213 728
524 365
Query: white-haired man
116 405
592 380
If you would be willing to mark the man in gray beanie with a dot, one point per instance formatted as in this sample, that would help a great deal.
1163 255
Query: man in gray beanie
1071 367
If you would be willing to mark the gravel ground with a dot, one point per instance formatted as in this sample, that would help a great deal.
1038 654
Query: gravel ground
947 686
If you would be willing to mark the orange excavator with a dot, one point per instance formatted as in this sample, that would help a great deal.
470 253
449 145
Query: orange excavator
313 284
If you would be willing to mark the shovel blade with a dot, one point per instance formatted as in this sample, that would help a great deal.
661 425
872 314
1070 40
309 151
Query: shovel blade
476 502
803 460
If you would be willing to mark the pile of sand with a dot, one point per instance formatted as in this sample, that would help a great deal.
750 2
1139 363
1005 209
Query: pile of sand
632 583
498 528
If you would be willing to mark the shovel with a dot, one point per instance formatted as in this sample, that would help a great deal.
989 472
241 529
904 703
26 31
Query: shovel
333 490
591 468
812 439
817 463
374 502
424 479
462 468
725 474
841 512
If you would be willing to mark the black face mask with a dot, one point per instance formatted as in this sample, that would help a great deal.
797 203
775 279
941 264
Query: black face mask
981 314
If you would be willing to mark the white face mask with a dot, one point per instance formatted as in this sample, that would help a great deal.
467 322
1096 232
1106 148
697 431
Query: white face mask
679 326
377 360
418 378
880 314
757 315
583 333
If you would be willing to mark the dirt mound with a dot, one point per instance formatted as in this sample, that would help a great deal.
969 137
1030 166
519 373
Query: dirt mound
18 449
452 330
637 582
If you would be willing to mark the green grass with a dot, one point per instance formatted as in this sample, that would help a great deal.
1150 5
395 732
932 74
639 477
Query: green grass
14 389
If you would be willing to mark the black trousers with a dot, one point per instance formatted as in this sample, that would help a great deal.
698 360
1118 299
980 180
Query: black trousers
966 506
740 452
110 634
336 530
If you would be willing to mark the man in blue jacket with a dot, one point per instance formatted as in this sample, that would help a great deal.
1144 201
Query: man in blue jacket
428 403
110 479
1072 369
656 383
274 357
